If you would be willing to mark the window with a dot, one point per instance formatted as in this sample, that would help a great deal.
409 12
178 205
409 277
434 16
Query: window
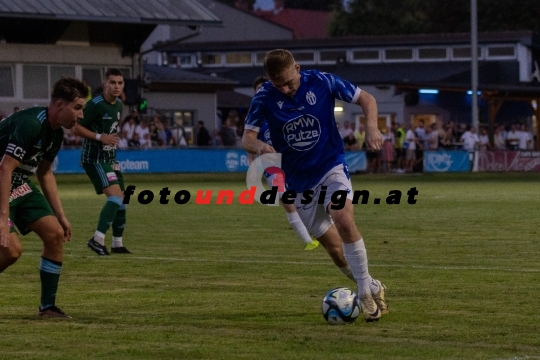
398 54
58 71
181 122
464 53
303 57
332 56
260 58
6 81
35 82
211 59
432 53
501 51
238 58
184 61
365 55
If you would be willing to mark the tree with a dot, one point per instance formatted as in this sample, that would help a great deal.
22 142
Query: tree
372 17
323 5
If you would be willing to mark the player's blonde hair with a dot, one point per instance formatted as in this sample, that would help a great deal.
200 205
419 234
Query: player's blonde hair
276 61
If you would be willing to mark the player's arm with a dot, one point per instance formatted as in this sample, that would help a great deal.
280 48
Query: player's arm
369 106
48 185
7 165
252 145
107 139
82 129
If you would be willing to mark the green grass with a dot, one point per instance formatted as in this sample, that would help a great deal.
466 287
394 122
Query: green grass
232 281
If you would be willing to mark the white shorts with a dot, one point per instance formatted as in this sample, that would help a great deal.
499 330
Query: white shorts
315 215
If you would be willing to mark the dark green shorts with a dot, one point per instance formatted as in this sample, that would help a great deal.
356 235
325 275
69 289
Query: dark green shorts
103 175
27 204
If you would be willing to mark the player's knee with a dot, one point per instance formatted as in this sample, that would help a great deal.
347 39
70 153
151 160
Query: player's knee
10 256
54 238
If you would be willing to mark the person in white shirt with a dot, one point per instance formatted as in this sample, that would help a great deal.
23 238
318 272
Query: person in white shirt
513 138
410 145
345 130
469 139
499 139
525 138
144 134
483 140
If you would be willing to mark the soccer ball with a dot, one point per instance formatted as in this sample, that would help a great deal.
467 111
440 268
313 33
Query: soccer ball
340 306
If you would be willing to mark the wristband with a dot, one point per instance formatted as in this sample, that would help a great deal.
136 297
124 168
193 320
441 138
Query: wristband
98 137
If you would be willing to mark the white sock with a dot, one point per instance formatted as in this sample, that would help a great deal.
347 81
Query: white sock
99 237
117 242
356 257
346 270
299 227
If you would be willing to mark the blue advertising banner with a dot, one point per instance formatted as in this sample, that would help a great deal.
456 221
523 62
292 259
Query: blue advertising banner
446 161
180 160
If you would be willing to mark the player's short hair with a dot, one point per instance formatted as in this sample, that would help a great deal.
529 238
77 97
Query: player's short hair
258 81
113 72
276 61
69 89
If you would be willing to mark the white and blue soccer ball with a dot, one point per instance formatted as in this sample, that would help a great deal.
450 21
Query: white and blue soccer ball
340 306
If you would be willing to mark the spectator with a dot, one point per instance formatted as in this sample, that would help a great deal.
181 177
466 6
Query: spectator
499 139
122 141
345 130
70 139
203 137
164 134
525 138
387 155
228 135
134 142
512 139
410 145
216 138
130 124
154 132
144 134
360 136
447 139
470 139
350 142
483 140
432 137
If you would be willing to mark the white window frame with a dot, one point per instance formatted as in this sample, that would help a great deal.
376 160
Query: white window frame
453 58
330 62
225 63
501 57
365 61
13 83
432 59
411 59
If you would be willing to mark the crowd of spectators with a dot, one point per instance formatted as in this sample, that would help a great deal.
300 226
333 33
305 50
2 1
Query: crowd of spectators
403 146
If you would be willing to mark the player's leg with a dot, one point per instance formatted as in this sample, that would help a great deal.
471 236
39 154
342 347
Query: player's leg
299 227
105 181
51 233
119 222
355 252
332 243
10 254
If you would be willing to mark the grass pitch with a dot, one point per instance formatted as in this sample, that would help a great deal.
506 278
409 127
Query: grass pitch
232 281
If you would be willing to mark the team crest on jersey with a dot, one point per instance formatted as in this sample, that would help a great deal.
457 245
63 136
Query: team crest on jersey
303 132
107 117
280 104
311 98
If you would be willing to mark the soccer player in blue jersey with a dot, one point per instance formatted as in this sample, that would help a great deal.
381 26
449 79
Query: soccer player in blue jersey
299 109
292 216
29 141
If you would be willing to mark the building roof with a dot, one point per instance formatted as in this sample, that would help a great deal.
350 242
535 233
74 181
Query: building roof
165 78
527 38
306 24
175 12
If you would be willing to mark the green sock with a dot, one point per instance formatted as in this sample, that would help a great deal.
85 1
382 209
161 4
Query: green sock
107 215
49 272
119 223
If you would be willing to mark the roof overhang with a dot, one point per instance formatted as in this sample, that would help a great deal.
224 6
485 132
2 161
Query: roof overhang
121 22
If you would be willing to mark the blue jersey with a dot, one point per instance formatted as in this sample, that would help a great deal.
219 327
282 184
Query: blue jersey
264 134
303 128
